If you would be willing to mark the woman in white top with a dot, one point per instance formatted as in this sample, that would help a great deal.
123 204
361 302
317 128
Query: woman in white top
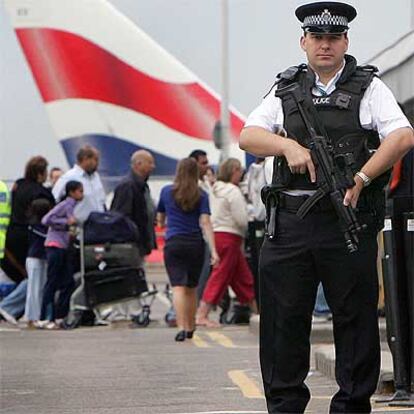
229 219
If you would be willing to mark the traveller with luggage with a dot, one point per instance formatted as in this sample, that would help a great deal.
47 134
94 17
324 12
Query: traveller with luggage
132 198
59 265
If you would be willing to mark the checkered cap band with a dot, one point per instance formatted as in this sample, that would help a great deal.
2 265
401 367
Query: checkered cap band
325 19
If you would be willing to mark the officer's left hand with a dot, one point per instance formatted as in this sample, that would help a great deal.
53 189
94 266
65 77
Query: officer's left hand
352 194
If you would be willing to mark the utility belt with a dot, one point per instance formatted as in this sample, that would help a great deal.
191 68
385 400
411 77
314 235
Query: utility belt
275 200
293 203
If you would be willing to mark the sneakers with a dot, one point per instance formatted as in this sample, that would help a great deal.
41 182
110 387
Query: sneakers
50 325
9 318
40 324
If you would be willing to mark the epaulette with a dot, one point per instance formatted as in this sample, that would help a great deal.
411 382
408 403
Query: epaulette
360 79
368 68
288 75
291 73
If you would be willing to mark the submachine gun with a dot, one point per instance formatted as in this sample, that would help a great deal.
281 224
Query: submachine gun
334 171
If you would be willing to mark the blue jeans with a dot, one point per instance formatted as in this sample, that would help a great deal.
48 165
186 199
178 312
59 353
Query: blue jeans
59 278
15 301
36 275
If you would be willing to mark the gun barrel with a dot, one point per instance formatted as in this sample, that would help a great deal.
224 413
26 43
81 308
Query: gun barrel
347 220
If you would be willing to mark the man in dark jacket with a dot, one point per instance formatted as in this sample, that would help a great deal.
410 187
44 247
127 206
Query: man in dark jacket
132 197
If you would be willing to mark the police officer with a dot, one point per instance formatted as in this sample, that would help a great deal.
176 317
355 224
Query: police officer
360 116
5 211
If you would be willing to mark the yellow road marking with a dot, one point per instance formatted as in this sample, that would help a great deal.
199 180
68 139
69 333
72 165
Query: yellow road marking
246 385
197 341
221 339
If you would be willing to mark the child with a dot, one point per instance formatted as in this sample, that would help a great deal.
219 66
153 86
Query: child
59 275
36 263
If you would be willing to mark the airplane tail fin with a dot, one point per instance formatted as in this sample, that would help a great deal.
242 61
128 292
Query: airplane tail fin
106 83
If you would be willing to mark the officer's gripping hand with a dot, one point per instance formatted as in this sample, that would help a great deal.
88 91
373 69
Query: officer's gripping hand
352 194
299 158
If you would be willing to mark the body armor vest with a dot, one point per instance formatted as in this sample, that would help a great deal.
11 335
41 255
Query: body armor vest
338 118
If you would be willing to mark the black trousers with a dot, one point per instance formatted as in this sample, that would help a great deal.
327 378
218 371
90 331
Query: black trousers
304 252
59 278
255 231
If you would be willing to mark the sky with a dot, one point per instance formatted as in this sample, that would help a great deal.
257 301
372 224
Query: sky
263 41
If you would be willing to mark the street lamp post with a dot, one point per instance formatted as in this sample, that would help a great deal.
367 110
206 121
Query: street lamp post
224 108
412 14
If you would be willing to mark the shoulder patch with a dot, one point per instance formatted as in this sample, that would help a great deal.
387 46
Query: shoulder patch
362 78
368 68
288 75
291 73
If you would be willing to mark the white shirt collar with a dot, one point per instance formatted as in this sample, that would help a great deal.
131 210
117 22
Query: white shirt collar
331 85
79 170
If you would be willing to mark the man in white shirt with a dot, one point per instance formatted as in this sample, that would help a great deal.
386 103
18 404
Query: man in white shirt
365 126
202 161
85 171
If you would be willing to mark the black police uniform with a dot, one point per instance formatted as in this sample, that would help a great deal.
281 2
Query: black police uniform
306 251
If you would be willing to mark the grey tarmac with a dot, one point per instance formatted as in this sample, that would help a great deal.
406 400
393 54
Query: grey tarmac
116 369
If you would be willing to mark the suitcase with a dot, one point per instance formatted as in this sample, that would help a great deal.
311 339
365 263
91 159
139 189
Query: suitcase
109 227
106 256
113 285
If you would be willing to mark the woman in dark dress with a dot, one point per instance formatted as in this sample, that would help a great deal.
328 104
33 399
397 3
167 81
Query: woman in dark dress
186 208
24 191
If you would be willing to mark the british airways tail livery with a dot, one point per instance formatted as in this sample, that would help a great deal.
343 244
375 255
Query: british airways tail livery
106 83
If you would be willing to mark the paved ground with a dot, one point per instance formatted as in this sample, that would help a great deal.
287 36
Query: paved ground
107 370
119 370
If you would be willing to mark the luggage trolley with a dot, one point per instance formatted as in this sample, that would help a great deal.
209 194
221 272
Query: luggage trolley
111 265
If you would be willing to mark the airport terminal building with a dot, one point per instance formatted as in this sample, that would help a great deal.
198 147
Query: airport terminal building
396 65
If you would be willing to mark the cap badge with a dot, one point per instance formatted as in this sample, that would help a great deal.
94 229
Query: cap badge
326 16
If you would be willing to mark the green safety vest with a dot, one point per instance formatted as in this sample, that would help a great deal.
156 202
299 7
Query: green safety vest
5 211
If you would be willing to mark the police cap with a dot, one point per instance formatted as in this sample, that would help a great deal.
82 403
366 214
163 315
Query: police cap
326 17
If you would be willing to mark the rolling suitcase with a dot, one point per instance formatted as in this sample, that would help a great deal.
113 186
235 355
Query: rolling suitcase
114 285
111 255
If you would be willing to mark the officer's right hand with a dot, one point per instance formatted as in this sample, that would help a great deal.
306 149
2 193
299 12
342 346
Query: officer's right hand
299 158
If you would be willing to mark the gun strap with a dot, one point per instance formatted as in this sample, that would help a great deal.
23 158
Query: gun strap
306 105
310 202
320 127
